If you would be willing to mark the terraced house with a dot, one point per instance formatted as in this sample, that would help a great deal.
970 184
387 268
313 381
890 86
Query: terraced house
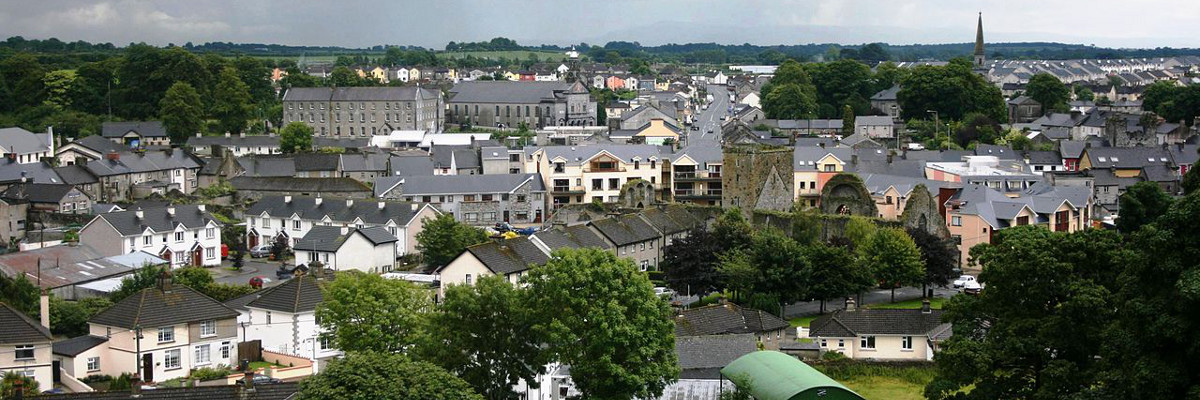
364 111
183 235
128 175
291 217
480 200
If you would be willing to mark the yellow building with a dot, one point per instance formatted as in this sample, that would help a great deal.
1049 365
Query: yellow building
658 132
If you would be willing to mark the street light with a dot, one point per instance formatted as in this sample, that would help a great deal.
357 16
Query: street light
937 126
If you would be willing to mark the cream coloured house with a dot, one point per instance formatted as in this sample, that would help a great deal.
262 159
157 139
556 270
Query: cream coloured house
25 345
882 335
587 173
815 165
511 258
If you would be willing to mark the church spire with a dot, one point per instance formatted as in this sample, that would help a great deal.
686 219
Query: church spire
979 57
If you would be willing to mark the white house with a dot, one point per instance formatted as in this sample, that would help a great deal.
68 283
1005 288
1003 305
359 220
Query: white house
180 330
895 335
25 345
25 147
342 248
284 319
290 217
183 235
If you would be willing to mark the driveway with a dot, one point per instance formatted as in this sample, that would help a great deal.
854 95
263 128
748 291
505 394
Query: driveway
251 267
877 296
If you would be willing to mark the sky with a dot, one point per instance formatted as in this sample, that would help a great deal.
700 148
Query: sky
356 23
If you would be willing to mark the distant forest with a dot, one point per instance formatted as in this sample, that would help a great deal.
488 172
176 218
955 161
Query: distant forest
56 52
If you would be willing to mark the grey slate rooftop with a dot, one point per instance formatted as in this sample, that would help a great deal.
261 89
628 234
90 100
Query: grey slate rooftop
844 323
299 294
157 219
722 319
19 328
144 128
331 238
79 344
306 207
466 184
508 256
154 307
702 357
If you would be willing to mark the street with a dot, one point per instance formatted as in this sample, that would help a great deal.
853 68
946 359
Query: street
710 119
873 297
250 268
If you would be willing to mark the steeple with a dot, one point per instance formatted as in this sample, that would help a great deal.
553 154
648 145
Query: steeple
979 57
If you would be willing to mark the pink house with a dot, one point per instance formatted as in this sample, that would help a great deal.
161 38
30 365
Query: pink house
614 82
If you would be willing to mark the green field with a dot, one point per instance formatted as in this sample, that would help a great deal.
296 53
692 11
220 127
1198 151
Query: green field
882 387
935 303
511 54
881 380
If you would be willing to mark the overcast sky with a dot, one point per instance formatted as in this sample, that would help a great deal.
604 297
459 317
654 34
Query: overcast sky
355 23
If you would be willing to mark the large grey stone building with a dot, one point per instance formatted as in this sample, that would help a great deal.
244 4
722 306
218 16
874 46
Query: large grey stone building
364 111
507 104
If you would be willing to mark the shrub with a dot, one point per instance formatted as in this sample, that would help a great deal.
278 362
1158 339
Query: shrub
96 378
832 356
211 374
122 382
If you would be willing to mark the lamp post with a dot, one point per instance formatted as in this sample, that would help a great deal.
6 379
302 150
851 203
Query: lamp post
937 126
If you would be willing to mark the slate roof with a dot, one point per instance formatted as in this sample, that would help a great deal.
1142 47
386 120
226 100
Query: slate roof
38 192
576 155
12 172
626 229
468 184
1071 148
98 144
307 208
148 161
888 94
297 295
508 256
411 165
723 319
345 143
154 307
664 223
383 93
1185 154
268 166
878 184
316 162
75 175
506 92
1044 157
1127 157
804 158
289 184
235 141
702 357
19 328
1001 152
73 346
278 391
844 323
158 219
20 141
144 128
365 162
240 302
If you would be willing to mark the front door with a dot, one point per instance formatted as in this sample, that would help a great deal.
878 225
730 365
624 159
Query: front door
505 215
148 367
253 240
166 255
197 256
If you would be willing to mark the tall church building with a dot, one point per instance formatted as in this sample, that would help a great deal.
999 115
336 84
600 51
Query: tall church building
980 58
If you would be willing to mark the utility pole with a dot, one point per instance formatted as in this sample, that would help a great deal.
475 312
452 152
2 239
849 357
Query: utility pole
137 338
937 127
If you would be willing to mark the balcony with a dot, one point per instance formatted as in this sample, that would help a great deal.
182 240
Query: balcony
697 177
566 190
697 194
591 169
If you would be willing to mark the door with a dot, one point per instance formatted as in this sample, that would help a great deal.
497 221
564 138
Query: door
253 240
505 215
148 367
197 256
56 367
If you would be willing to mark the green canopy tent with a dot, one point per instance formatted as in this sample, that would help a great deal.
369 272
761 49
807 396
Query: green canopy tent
772 375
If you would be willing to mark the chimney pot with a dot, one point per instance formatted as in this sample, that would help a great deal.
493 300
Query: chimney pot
349 202
317 201
242 134
226 134
850 306
345 229
287 199
44 308
171 211
925 308
414 206
200 207
382 205
139 213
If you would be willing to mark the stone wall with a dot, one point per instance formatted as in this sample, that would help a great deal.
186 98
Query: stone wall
757 178
845 194
921 212
792 224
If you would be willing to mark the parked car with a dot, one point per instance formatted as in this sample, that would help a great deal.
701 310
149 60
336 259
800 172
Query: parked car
972 287
260 251
962 281
664 292
260 380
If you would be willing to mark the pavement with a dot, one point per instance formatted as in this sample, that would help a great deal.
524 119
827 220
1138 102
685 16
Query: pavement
251 267
710 119
877 296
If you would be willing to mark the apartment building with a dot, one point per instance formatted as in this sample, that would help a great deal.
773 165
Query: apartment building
291 217
589 173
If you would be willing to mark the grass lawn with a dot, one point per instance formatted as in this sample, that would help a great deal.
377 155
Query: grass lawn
935 303
261 364
803 321
882 387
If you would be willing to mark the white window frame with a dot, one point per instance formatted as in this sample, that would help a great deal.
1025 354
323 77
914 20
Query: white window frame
21 348
93 364
202 355
210 233
172 359
179 237
166 334
210 252
225 348
867 342
208 328
906 342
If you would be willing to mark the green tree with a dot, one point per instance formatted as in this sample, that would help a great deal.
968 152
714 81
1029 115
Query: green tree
181 112
1141 204
1191 181
892 258
834 273
1048 90
689 264
20 293
69 318
886 75
847 120
1082 93
603 319
790 93
375 375
953 90
1037 329
481 334
8 386
444 238
58 86
860 230
365 312
25 79
345 77
296 137
842 82
232 110
145 277
938 255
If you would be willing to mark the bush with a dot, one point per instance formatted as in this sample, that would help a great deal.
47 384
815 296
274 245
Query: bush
832 356
96 378
211 374
122 382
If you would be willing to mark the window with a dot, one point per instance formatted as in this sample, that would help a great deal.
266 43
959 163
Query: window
468 279
597 184
868 342
268 317
171 359
179 258
132 242
637 164
520 198
210 233
166 334
489 216
643 247
93 364
203 355
24 351
324 343
426 199
841 343
485 197
146 240
178 237
889 200
208 328
906 342
614 183
824 344
471 217
296 225
468 197
225 349
956 220
802 184
266 222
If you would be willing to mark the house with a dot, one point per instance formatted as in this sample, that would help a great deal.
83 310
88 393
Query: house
572 237
278 391
86 149
136 133
1044 161
509 104
658 132
183 234
372 250
291 217
891 192
364 111
510 258
1000 174
696 175
364 166
1023 109
317 165
173 328
702 357
874 127
642 115
813 166
240 145
593 172
25 147
130 175
74 272
56 198
975 212
631 237
283 318
25 344
481 200
254 188
885 101
731 319
455 160
883 335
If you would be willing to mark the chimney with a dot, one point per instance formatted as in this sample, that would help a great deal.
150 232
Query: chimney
382 205
242 134
248 381
317 201
850 304
113 156
44 309
164 281
925 309
200 207
723 301
414 206
287 199
139 213
349 203
226 134
171 211
198 134
345 229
